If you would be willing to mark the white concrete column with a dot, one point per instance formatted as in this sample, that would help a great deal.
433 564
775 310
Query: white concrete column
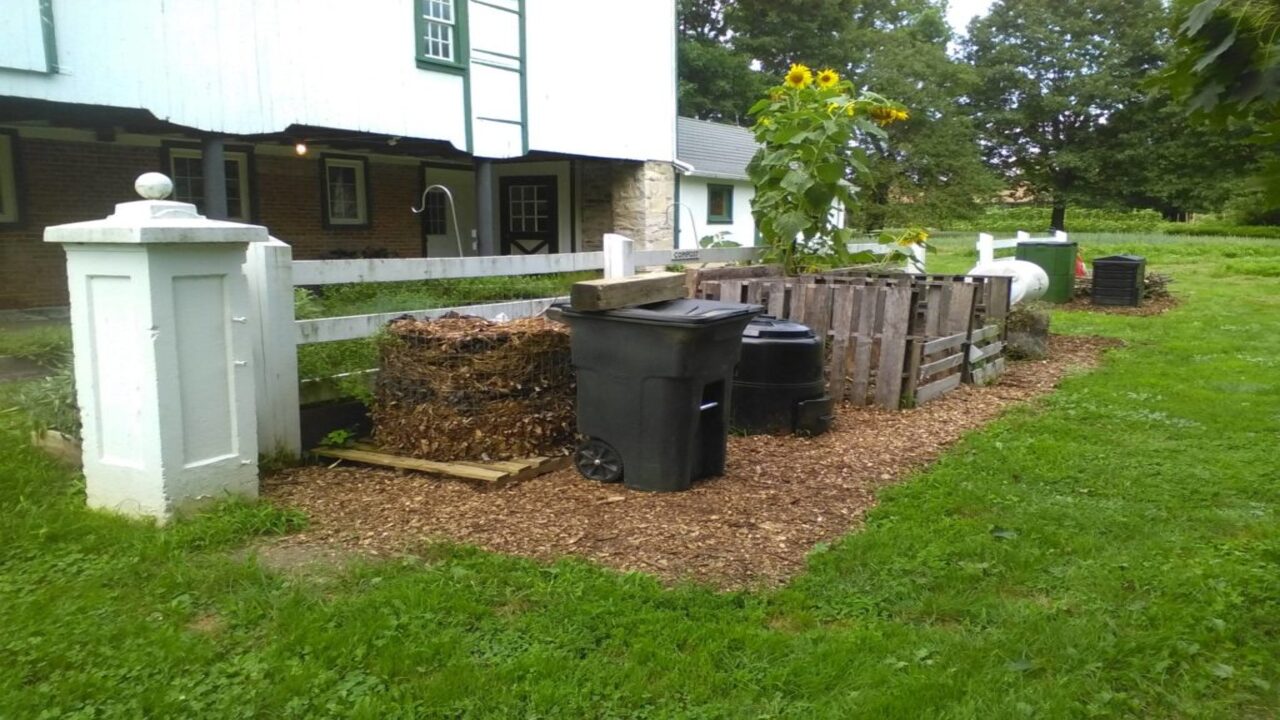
160 323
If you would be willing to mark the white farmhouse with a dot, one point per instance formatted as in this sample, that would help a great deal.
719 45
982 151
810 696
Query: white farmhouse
326 121
713 193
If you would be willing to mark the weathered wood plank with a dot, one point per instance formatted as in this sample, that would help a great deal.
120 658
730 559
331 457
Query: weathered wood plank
893 346
960 312
989 372
731 290
983 353
383 459
985 333
936 389
755 290
817 310
798 297
933 368
871 298
777 298
945 343
614 293
843 302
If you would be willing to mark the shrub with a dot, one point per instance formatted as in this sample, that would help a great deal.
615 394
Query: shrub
1082 220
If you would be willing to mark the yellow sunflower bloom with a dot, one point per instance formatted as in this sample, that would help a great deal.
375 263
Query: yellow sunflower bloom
799 76
882 115
850 109
827 78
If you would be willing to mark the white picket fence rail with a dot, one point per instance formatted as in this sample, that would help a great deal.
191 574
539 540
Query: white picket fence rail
988 245
273 275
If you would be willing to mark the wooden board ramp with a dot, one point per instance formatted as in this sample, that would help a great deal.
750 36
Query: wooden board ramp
498 472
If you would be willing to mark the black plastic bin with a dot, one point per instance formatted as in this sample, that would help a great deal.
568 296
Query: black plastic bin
653 390
780 384
1119 280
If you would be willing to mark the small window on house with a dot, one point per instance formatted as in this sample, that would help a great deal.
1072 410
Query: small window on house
440 29
346 193
720 204
186 168
8 180
433 215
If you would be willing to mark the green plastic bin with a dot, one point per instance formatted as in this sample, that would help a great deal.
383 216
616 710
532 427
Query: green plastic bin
1058 259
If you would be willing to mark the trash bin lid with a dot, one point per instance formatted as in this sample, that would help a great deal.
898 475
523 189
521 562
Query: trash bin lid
1046 243
676 312
1123 258
767 326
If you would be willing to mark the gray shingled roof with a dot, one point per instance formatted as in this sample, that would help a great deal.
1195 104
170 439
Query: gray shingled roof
715 150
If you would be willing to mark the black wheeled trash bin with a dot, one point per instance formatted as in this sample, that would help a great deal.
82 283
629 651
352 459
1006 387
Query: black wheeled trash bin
654 384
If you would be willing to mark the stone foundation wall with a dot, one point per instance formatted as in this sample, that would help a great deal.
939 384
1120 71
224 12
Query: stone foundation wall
629 198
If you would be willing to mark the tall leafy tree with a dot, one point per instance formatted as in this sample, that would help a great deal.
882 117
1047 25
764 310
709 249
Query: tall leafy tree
1050 76
716 80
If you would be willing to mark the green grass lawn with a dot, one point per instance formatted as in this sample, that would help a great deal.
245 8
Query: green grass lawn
1111 551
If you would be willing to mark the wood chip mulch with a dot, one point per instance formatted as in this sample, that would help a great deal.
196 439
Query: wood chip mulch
752 527
1154 306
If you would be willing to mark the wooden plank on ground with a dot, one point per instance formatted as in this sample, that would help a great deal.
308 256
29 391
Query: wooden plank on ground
871 297
937 389
611 294
893 346
385 460
843 302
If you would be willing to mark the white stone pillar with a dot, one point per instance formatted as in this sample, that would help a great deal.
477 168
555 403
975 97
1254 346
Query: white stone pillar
163 357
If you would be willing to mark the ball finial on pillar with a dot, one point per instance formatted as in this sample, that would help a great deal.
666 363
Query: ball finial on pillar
153 186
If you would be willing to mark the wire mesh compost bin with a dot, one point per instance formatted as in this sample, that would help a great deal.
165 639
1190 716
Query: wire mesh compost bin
465 388
654 390
1118 280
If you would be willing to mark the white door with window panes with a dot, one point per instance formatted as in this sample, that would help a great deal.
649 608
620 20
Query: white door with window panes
529 215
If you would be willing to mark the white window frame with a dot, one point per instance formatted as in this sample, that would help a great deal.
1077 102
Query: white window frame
11 212
362 190
241 159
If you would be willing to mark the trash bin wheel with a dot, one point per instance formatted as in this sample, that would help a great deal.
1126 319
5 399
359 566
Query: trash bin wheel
597 460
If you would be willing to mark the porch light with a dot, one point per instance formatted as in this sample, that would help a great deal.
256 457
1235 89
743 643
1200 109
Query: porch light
300 148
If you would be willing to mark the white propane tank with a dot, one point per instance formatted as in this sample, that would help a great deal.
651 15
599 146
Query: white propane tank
1030 281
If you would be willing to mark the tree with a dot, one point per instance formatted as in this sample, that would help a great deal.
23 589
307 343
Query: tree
926 169
1050 75
716 81
1224 72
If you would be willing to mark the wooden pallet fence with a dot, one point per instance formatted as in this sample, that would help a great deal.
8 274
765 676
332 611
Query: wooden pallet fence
984 355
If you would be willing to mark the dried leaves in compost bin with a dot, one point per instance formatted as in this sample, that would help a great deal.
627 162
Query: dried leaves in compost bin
465 388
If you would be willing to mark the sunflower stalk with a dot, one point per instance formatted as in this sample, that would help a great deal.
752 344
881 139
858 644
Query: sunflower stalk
808 169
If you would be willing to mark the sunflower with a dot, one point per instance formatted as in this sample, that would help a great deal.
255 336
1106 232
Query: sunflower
827 77
799 76
884 115
850 109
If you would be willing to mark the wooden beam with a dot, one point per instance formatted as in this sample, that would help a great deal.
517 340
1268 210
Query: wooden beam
611 294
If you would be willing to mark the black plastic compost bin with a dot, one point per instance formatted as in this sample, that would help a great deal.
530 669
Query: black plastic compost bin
653 390
779 385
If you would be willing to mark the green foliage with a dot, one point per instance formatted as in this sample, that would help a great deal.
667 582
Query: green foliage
716 81
1004 219
50 402
338 438
1108 551
809 131
717 240
1050 74
1225 66
1197 229
45 344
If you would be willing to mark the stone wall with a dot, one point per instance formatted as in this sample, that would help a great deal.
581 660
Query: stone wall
629 198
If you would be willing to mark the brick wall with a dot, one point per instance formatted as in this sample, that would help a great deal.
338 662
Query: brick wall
61 182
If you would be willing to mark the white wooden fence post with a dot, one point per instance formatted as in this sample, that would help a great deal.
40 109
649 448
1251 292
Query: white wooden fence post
1023 236
619 261
986 248
1060 235
916 261
160 325
269 269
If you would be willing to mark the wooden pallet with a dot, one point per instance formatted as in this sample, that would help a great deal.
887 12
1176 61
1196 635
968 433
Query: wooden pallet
500 473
